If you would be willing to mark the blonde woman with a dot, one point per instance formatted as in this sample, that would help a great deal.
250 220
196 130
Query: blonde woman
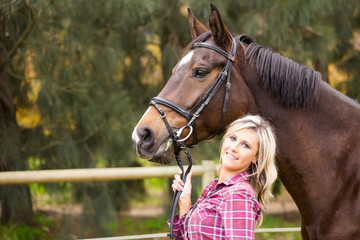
230 206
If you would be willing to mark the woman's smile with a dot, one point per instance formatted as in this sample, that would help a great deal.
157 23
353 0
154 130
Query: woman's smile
231 156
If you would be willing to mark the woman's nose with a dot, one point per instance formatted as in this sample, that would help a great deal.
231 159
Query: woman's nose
234 147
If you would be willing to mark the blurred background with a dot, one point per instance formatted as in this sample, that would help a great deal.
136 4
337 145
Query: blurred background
77 75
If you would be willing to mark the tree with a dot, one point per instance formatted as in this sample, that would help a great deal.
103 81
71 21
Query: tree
315 33
70 81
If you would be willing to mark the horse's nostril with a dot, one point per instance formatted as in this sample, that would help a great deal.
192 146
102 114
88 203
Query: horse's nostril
147 138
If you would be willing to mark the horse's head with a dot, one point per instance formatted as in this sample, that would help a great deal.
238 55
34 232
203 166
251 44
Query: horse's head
197 87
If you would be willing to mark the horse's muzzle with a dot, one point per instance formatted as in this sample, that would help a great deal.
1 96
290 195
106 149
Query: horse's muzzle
147 146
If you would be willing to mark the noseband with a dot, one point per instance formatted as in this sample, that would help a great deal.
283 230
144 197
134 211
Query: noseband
193 114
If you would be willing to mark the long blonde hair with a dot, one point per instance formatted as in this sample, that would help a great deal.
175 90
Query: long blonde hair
264 173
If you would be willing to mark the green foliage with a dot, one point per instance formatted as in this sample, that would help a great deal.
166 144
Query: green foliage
278 222
314 33
81 62
21 231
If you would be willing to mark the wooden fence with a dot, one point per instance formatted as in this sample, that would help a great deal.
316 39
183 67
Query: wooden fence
208 170
164 235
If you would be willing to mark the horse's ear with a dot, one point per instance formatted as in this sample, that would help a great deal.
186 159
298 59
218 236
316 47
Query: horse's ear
196 27
218 29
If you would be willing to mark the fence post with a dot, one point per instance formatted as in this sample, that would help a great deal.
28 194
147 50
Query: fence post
209 172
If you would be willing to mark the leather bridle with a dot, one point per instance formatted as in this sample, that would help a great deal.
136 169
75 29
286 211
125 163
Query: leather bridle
192 114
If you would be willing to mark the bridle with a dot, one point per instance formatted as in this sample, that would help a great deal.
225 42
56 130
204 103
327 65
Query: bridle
193 114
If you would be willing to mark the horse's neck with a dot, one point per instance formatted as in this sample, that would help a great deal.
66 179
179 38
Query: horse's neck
312 143
332 109
329 120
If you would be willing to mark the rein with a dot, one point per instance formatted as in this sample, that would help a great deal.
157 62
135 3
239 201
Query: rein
192 115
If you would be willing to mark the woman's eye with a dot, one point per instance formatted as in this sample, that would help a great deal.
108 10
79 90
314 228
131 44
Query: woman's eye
245 145
232 138
200 73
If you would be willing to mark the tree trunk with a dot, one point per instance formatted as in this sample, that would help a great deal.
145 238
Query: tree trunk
16 203
323 69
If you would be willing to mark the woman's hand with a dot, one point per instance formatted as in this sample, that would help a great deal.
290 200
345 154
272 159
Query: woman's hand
185 197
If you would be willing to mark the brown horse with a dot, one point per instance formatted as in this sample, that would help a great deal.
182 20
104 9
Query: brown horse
317 127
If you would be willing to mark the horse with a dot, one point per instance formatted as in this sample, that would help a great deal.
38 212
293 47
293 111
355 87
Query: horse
316 126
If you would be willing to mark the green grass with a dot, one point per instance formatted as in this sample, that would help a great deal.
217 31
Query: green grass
131 226
20 231
277 222
134 226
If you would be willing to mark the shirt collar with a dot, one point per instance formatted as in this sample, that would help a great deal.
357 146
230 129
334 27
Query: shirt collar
241 177
215 185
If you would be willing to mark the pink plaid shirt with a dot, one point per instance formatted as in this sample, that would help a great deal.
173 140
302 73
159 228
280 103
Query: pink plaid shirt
227 210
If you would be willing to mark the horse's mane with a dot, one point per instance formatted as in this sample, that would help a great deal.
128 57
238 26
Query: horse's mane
293 84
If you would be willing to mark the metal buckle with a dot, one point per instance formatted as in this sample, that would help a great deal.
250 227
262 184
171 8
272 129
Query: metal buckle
179 132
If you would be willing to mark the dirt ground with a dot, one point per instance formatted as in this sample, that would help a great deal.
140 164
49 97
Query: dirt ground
278 207
283 205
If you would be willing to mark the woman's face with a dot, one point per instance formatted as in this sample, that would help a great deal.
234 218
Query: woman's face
239 150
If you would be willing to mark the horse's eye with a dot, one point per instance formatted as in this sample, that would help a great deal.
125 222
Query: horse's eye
200 73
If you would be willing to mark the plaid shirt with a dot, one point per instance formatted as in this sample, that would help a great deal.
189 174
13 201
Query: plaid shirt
227 210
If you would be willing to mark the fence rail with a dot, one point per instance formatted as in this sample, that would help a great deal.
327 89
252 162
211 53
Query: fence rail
208 170
164 235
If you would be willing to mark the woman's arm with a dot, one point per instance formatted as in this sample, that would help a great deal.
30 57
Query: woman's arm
185 197
184 204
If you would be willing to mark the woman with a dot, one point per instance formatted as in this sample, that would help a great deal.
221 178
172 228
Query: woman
230 206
